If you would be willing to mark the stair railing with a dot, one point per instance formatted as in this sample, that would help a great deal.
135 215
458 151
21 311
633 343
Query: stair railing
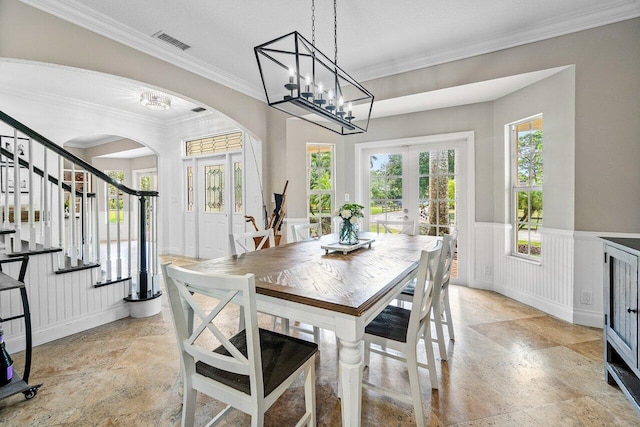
67 211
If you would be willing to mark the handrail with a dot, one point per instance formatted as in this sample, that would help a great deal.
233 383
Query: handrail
71 157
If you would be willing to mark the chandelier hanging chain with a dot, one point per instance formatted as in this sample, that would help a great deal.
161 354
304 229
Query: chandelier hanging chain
313 23
335 31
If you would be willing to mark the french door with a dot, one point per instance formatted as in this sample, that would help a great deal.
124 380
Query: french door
425 183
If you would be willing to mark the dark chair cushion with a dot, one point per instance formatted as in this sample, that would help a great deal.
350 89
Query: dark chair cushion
281 356
391 324
410 289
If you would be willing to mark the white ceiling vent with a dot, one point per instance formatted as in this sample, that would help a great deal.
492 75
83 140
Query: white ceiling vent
161 35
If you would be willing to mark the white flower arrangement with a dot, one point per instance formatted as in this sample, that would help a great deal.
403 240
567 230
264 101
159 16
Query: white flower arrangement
350 212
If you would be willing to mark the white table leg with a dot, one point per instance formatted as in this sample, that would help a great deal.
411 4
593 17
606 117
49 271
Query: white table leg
351 381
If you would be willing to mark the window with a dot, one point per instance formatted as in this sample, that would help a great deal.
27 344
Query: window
320 188
189 189
214 188
214 144
237 187
115 200
526 179
437 191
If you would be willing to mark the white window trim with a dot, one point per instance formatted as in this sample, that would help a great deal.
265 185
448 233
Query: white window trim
510 132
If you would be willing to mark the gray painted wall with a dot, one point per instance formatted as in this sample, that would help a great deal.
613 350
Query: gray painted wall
607 105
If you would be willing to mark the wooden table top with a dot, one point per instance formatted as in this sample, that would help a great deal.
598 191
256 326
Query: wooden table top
302 272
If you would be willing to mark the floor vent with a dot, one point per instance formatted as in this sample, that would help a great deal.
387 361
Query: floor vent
172 41
198 109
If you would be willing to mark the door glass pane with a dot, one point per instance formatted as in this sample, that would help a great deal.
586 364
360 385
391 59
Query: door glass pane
437 191
385 188
214 188
189 189
237 187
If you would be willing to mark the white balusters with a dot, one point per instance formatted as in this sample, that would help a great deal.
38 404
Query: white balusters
108 262
61 215
17 241
118 240
45 211
31 216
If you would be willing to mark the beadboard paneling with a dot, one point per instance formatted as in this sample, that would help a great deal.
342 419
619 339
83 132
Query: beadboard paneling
567 283
60 304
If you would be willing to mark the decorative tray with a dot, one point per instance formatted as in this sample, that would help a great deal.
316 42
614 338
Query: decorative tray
345 249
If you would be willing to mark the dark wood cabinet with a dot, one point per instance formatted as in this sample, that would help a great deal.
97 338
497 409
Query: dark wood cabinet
621 318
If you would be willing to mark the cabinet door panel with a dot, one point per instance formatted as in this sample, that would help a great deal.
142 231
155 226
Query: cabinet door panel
622 328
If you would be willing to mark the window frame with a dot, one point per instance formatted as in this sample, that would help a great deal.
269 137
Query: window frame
515 187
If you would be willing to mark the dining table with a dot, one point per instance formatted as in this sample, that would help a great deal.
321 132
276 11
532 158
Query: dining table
337 290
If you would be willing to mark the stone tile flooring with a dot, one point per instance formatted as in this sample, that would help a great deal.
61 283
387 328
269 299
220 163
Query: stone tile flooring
510 365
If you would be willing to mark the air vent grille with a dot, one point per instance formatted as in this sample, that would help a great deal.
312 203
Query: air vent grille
198 109
161 35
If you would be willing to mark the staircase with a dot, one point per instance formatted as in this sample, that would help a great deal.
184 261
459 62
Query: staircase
75 243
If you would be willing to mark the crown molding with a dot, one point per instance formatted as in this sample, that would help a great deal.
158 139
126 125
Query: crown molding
78 14
605 14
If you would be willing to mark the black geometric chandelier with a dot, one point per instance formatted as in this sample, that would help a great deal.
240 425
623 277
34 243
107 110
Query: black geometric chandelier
303 82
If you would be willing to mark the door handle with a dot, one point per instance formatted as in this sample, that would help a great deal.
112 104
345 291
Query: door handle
630 310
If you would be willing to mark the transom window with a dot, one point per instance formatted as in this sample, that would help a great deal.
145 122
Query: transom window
527 177
214 144
320 188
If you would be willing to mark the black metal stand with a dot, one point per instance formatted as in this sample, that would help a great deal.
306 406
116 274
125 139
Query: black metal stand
17 384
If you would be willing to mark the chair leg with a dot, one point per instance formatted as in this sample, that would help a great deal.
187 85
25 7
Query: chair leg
447 309
285 326
316 335
437 318
367 353
431 360
310 393
414 382
188 403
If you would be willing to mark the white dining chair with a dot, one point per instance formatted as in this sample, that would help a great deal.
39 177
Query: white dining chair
251 241
256 240
441 307
248 371
401 330
391 226
302 232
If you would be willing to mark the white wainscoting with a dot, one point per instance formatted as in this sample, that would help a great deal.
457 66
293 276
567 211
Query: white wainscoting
60 304
567 283
548 285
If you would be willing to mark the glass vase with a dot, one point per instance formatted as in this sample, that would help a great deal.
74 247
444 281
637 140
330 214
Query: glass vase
348 232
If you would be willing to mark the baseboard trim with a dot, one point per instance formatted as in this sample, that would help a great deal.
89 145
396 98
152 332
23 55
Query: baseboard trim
550 307
69 327
588 318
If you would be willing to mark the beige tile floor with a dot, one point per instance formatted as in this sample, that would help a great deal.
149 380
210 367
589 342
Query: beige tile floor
510 365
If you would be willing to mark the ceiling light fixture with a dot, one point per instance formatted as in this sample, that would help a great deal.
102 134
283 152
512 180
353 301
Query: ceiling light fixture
155 100
315 84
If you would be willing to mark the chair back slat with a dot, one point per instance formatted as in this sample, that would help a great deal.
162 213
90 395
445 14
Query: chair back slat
391 226
302 232
251 241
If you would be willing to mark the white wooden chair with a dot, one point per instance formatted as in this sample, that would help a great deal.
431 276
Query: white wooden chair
441 307
251 241
230 368
256 240
401 330
402 227
302 232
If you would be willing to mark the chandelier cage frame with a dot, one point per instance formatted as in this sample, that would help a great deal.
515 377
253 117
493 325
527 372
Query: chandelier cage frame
304 94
